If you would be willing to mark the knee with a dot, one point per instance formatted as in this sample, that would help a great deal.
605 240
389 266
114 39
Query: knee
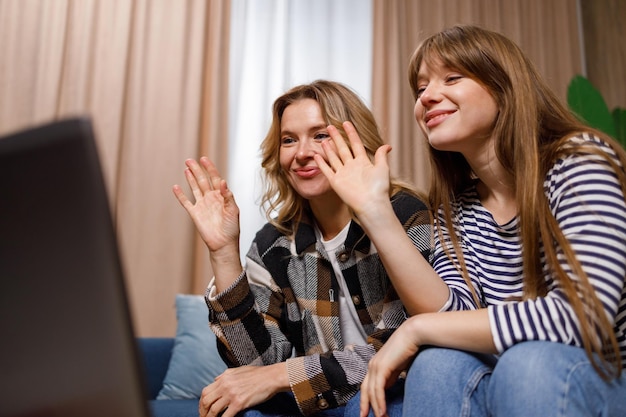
441 367
539 378
431 364
536 362
533 369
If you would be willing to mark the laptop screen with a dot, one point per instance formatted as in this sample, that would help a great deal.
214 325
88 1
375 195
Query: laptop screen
67 345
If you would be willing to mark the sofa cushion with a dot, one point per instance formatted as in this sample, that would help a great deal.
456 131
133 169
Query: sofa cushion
195 361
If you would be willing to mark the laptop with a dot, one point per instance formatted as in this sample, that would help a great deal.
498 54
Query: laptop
67 346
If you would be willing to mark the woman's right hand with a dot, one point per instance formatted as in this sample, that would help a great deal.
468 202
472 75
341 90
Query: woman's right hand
213 210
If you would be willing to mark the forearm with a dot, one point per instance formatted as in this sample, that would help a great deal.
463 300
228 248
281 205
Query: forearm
417 284
250 336
226 266
464 330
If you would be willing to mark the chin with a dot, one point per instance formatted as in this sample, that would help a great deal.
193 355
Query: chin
441 144
313 193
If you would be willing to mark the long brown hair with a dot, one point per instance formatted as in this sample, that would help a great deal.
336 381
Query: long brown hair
284 207
531 129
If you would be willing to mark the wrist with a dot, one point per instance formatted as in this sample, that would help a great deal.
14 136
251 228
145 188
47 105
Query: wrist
226 266
226 254
376 213
280 377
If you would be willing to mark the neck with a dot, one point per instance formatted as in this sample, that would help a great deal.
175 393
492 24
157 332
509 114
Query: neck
331 215
495 188
499 199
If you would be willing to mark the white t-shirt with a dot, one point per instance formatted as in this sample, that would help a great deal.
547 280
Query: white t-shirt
351 329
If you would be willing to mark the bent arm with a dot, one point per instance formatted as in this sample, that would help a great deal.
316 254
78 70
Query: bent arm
365 188
417 284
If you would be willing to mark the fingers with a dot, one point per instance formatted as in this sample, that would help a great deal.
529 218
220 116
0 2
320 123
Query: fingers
180 195
342 151
198 177
338 153
379 404
215 178
202 177
210 404
373 394
323 165
380 157
204 173
355 141
336 150
365 402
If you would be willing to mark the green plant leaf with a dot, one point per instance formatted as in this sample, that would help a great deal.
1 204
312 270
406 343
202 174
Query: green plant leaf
587 103
619 120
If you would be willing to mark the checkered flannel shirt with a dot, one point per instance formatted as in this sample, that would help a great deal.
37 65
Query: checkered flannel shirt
285 307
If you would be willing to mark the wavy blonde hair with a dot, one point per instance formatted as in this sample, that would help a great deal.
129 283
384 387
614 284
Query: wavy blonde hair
284 207
530 131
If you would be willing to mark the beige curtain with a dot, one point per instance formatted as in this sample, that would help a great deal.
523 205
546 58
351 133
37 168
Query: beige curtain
604 29
146 72
546 30
153 76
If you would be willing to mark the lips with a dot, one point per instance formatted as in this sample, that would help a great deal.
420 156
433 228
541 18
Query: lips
435 117
307 172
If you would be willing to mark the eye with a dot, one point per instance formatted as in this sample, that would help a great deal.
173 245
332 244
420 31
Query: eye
453 78
321 136
287 140
420 91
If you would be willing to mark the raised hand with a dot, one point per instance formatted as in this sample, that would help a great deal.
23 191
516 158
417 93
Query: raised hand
360 183
213 210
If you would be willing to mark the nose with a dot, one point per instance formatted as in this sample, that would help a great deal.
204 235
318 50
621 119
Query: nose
305 150
430 94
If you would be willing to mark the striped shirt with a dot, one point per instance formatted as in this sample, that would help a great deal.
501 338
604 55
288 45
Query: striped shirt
586 200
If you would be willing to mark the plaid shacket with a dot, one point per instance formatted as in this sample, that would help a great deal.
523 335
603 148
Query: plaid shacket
285 307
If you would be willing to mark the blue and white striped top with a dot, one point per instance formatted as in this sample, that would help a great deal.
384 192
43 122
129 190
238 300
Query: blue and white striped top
587 202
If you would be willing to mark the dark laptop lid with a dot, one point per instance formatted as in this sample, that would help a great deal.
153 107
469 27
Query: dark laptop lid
66 342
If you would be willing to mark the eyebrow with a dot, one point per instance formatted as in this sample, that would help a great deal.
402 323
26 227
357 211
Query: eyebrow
312 129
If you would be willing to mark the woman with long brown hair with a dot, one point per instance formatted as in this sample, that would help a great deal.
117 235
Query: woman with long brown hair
523 312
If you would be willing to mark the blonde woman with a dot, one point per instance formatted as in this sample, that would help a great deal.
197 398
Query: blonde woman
300 322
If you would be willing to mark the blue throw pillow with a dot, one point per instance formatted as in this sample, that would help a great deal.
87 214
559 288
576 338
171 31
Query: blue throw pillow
195 361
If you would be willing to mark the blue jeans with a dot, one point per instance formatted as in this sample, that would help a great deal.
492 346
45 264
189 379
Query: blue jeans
529 379
393 399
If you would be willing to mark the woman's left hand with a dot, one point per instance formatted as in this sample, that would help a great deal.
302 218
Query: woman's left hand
384 369
239 388
465 329
358 182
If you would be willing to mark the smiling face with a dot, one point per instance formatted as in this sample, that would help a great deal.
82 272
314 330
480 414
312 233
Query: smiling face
302 131
455 112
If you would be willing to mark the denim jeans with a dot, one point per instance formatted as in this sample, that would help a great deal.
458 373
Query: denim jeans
393 399
529 379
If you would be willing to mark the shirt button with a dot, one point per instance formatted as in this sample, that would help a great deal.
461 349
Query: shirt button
322 404
343 256
356 300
